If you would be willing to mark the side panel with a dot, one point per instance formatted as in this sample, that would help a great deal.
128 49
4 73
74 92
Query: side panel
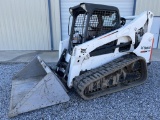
145 47
97 61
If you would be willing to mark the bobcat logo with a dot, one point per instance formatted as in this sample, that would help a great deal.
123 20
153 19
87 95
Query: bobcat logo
145 47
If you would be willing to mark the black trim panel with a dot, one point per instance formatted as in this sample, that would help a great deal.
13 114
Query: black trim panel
109 48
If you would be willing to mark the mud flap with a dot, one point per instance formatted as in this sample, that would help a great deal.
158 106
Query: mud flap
35 87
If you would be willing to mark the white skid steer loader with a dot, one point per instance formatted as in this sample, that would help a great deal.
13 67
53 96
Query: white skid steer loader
103 54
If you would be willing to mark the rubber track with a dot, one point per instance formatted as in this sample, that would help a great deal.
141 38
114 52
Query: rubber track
82 81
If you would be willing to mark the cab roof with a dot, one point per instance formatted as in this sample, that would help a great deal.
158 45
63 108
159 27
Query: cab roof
90 7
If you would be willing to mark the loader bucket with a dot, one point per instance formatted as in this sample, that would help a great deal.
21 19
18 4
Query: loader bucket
35 87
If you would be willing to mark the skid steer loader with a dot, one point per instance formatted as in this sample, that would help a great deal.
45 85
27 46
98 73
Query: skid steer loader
103 54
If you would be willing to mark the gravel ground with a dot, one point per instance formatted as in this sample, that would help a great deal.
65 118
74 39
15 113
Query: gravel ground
141 102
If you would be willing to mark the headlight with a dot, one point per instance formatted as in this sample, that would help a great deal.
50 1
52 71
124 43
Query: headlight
70 10
84 7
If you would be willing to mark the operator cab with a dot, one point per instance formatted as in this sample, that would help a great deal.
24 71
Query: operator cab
91 21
